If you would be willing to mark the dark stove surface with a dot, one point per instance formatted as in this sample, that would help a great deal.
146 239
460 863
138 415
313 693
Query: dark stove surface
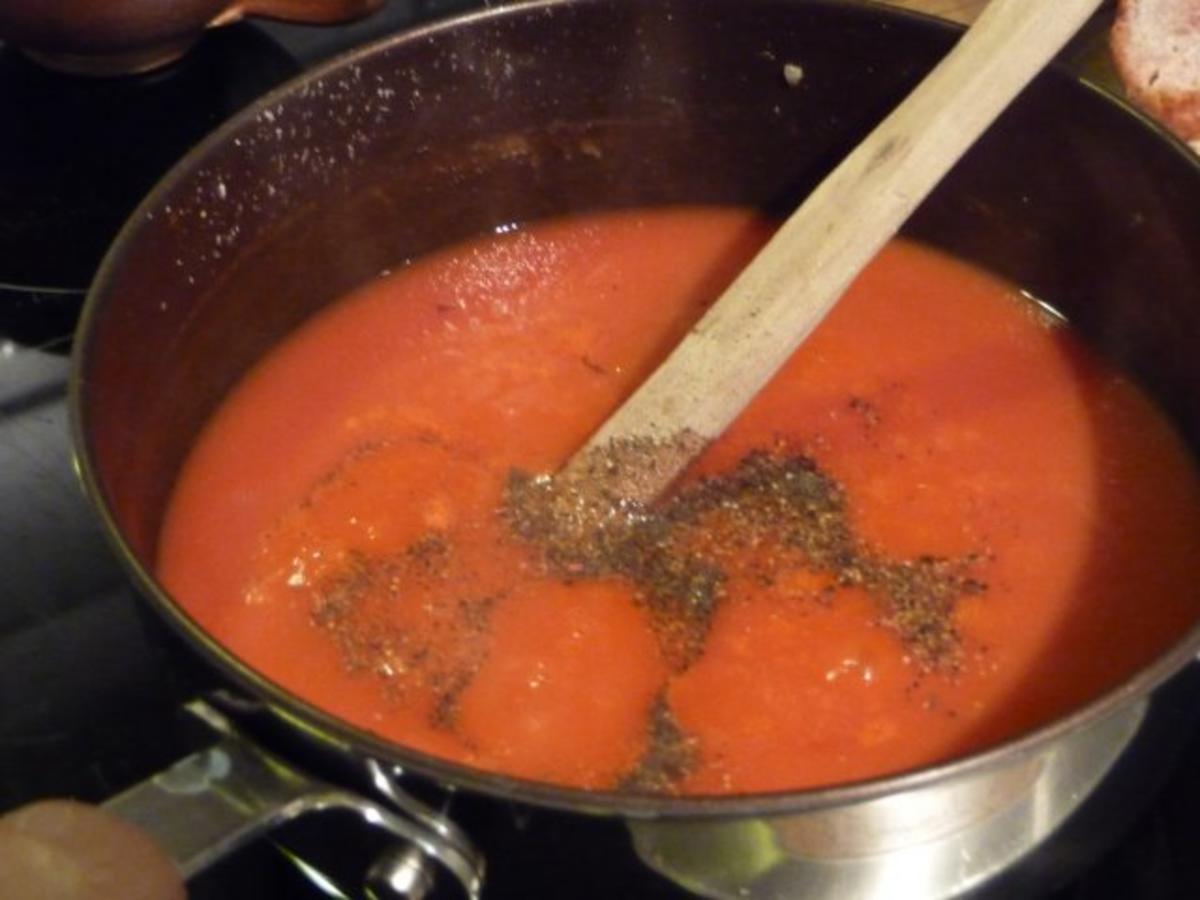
90 701
82 152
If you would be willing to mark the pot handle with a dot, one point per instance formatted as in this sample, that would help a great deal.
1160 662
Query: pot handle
318 12
213 802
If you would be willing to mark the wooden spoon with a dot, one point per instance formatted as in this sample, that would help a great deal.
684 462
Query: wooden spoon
791 285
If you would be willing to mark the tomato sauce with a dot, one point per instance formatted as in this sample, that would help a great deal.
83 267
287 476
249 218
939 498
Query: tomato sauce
336 525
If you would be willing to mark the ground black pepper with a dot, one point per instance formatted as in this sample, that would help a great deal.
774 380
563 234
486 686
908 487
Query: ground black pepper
670 755
775 511
680 552
442 646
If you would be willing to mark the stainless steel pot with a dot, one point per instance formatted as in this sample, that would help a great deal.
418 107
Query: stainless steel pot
560 105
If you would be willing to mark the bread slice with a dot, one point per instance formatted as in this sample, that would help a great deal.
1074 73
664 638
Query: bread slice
1156 47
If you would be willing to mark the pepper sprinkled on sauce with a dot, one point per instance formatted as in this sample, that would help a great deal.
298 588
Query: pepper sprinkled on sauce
670 755
681 552
775 511
441 651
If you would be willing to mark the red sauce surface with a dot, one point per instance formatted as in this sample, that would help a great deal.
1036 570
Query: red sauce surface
956 418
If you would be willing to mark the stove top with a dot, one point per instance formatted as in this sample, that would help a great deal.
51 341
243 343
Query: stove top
90 701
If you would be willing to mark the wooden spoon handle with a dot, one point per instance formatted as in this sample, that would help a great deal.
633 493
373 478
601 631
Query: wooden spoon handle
790 286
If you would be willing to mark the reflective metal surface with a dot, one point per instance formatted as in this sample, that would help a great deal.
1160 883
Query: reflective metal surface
213 802
937 842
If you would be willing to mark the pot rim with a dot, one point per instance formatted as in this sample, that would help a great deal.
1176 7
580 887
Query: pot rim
333 731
